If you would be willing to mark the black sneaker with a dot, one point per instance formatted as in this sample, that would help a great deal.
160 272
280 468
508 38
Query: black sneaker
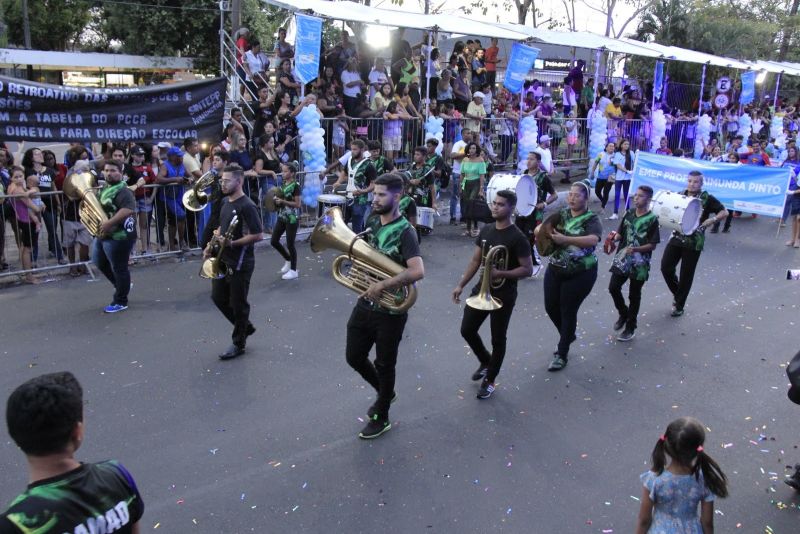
726 230
620 324
375 427
233 351
486 390
557 364
480 373
626 335
250 330
676 312
371 411
794 480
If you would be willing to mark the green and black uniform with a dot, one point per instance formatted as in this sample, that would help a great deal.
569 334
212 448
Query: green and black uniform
637 232
408 208
686 249
362 173
92 498
570 276
382 165
112 251
371 324
287 222
544 188
422 191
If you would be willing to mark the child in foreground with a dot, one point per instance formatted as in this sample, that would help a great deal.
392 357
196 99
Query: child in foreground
672 492
45 419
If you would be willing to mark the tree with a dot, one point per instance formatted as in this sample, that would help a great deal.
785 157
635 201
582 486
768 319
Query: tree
55 24
520 7
608 8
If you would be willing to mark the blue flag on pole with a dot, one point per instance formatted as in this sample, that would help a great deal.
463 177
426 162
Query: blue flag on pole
748 188
307 46
658 80
748 87
520 63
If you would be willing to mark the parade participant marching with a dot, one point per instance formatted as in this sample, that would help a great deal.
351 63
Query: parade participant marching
408 207
288 204
360 175
546 195
422 178
219 159
382 163
686 249
637 237
573 267
229 292
113 246
515 263
371 324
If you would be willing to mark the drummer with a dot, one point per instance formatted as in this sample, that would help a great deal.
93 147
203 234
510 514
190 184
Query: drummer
382 163
685 249
408 208
545 195
421 179
359 177
435 161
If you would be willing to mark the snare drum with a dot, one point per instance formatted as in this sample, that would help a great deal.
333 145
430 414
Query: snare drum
676 211
425 217
522 184
329 201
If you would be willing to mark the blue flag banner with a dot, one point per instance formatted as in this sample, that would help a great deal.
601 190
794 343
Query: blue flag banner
307 46
658 79
520 63
748 87
748 188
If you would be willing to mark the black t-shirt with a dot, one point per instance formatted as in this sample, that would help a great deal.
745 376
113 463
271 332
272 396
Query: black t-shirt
239 258
47 183
697 239
98 497
518 247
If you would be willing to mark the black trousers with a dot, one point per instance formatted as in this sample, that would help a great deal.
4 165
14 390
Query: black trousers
602 189
368 327
631 311
688 258
498 321
230 296
563 295
291 232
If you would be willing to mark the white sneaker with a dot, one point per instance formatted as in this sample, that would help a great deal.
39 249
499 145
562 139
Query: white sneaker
613 217
536 270
286 267
290 275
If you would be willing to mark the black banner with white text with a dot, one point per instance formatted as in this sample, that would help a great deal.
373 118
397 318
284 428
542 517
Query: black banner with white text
39 112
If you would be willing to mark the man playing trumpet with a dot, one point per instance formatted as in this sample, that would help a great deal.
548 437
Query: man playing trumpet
508 243
372 324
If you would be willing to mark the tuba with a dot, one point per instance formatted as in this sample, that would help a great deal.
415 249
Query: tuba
195 199
367 264
78 187
496 257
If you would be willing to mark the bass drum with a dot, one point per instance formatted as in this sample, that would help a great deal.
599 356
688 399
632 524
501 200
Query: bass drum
522 184
676 211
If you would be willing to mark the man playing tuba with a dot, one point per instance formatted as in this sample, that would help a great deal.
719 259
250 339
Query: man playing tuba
370 323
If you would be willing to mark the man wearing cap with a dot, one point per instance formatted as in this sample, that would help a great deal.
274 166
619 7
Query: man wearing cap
475 113
172 176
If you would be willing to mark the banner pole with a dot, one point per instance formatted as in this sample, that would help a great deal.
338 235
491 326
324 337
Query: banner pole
428 73
775 98
596 75
702 86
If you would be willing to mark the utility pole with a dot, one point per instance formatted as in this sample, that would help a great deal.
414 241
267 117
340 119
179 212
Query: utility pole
236 16
427 6
26 32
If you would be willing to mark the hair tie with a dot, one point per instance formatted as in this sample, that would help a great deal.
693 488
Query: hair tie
699 448
662 438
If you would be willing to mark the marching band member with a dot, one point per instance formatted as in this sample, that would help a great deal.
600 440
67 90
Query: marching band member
686 249
545 195
517 254
288 205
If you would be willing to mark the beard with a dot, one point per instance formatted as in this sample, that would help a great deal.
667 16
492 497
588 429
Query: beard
383 209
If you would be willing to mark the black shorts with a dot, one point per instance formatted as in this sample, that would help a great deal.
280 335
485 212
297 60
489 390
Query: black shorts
26 233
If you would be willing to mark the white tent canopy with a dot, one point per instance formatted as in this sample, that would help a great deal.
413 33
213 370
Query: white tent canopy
403 19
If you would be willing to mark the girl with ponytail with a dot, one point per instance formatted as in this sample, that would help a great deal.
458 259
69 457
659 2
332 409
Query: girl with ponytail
673 490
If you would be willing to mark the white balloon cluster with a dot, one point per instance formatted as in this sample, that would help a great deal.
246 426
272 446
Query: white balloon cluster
528 135
598 135
312 148
745 126
778 136
702 135
434 129
659 129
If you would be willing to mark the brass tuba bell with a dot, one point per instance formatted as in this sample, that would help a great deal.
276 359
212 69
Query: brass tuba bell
195 199
367 265
79 187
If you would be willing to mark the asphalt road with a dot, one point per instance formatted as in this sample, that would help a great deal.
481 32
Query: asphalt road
267 442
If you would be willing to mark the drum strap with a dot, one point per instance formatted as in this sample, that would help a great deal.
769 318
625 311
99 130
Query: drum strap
353 171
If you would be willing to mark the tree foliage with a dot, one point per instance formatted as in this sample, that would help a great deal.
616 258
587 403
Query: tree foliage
55 24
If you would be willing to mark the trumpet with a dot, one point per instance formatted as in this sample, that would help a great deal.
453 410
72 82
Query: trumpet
367 265
497 258
212 267
195 199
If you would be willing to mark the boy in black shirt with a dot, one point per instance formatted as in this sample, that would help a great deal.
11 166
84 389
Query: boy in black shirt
229 293
45 419
504 287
